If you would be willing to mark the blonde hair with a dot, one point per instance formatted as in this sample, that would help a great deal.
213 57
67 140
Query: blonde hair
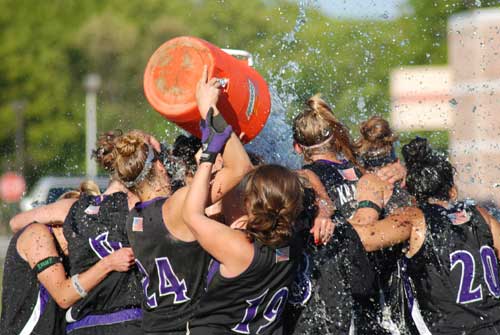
317 131
88 187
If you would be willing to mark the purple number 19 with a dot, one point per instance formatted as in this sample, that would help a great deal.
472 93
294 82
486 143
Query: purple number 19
272 311
467 293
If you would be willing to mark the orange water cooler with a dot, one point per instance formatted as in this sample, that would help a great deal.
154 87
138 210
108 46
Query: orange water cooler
175 68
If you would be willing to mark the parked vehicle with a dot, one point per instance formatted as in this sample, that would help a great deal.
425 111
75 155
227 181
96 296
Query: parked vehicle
48 189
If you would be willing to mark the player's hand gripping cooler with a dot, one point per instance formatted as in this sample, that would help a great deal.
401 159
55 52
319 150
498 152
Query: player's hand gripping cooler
175 68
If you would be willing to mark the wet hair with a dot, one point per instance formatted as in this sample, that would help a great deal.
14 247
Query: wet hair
430 174
185 147
255 159
88 187
131 152
273 196
104 151
317 131
375 146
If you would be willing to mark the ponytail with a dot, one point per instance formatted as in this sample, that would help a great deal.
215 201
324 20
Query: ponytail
317 130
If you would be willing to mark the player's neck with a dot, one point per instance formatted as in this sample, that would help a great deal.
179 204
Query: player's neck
329 156
151 191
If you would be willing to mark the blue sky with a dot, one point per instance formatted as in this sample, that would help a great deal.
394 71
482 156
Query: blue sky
369 9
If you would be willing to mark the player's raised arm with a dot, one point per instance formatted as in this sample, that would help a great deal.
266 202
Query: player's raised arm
216 133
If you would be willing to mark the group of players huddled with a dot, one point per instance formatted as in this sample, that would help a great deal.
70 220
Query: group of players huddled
211 241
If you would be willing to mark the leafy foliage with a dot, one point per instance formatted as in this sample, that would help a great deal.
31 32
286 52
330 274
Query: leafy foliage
46 50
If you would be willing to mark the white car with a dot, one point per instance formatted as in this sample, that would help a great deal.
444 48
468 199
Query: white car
48 189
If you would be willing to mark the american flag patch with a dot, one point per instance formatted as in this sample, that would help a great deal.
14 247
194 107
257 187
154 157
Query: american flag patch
283 254
137 224
349 174
92 210
459 217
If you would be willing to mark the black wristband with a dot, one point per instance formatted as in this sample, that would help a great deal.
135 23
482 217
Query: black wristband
46 263
219 124
369 204
209 157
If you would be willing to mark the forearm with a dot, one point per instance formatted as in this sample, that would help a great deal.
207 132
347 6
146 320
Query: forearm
66 295
235 157
196 198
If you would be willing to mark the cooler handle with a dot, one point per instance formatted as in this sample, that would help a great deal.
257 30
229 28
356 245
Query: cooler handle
240 53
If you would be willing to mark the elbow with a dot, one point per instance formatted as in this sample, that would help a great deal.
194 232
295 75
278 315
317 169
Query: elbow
14 225
244 167
63 303
188 215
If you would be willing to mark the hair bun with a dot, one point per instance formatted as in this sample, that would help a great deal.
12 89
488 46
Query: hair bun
127 145
377 130
417 152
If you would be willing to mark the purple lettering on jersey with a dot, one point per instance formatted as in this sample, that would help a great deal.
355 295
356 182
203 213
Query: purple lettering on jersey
102 247
490 270
169 283
466 294
150 299
301 289
253 305
274 308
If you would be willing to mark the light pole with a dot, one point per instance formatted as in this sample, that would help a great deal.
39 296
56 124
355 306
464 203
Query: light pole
92 82
18 107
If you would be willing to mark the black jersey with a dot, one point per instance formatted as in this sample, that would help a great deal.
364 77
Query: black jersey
455 274
27 307
94 228
343 279
174 271
252 302
389 305
340 181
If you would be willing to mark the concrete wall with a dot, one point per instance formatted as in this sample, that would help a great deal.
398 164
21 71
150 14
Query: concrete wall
463 97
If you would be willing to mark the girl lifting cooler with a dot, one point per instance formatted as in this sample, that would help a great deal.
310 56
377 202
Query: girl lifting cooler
250 279
172 263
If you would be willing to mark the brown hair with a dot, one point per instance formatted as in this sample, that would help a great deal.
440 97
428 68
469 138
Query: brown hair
104 151
131 152
273 197
317 126
376 138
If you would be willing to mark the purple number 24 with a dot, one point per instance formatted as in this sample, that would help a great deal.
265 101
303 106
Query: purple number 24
466 293
168 283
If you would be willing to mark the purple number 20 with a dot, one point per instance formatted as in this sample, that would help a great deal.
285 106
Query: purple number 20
272 311
467 293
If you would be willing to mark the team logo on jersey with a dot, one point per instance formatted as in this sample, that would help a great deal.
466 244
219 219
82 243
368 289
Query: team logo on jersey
349 174
459 217
92 210
283 254
137 224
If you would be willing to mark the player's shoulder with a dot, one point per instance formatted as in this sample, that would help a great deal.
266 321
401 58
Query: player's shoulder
35 229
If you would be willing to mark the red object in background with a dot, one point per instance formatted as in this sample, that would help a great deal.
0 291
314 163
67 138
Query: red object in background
170 85
12 187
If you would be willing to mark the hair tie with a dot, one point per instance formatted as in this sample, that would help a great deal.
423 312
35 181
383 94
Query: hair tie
145 170
319 144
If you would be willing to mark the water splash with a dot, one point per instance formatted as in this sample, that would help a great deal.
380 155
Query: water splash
274 143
